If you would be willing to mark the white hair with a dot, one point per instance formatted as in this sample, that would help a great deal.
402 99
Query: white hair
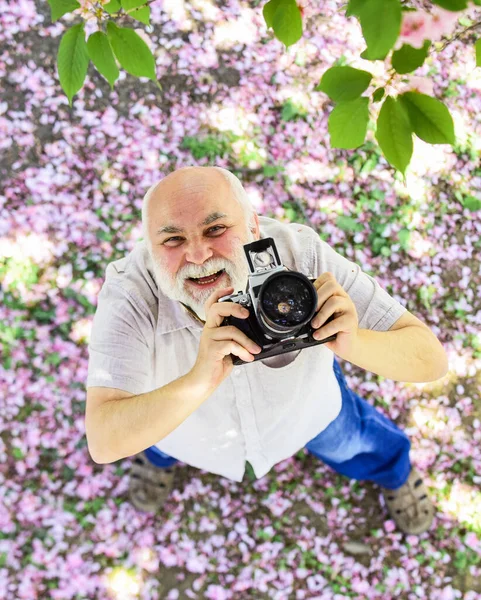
238 192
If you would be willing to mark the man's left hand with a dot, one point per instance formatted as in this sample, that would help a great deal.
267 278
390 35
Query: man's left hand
333 300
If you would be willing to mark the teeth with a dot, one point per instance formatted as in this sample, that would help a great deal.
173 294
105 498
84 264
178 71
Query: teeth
206 275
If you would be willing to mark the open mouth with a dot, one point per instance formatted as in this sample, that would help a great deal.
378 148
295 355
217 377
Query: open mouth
208 280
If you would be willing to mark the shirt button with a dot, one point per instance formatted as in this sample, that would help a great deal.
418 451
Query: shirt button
237 372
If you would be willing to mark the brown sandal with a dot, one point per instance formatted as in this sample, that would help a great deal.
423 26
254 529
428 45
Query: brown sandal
410 506
149 485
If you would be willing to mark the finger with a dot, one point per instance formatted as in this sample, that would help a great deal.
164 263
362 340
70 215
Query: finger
333 305
325 291
326 285
233 333
324 278
231 347
219 310
212 299
335 326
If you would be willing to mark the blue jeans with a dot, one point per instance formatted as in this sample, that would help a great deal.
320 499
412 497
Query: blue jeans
360 443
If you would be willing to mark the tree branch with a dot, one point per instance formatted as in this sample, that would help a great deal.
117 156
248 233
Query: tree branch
460 34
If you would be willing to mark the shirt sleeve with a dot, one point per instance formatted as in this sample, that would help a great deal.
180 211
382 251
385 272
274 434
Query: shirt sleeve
376 309
121 339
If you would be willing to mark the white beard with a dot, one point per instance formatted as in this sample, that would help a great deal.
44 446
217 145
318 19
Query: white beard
173 286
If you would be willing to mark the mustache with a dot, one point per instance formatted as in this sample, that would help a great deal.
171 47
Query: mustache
202 270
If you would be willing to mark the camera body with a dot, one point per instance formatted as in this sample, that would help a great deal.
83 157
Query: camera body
281 304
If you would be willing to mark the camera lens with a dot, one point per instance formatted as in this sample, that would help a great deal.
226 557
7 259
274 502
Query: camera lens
287 301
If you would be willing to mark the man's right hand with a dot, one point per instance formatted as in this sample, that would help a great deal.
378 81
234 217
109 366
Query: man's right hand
218 342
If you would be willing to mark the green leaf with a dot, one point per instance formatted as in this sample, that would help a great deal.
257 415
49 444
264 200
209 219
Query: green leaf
366 55
17 453
471 203
141 14
344 83
381 25
290 110
59 8
72 60
112 7
348 223
378 94
404 236
288 23
101 55
131 51
430 119
269 11
348 123
452 5
130 4
53 359
394 134
354 7
477 47
285 18
465 21
408 59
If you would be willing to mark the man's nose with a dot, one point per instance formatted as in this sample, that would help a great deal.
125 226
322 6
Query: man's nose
198 252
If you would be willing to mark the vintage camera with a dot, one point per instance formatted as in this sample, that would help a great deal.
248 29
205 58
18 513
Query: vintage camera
281 304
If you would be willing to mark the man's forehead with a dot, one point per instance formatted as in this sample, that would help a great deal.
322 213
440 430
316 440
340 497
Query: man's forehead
196 194
192 202
195 180
198 189
194 199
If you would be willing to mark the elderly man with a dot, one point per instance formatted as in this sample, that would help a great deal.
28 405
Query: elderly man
161 380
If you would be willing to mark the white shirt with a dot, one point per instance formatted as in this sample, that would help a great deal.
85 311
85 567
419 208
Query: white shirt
265 411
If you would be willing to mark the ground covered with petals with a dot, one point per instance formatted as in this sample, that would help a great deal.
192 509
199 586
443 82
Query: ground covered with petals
72 185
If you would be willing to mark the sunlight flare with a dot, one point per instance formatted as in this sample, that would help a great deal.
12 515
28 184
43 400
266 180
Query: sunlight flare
464 503
230 118
429 418
124 584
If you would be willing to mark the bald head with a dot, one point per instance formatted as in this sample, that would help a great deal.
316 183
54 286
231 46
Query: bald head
186 180
198 184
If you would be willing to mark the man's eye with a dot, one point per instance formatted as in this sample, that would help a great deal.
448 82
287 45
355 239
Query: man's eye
217 229
173 239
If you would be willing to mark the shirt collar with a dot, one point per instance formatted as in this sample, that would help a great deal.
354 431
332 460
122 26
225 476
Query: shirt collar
195 315
174 315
